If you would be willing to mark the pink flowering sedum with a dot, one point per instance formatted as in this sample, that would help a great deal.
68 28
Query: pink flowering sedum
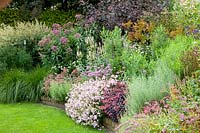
44 41
77 35
54 48
56 32
56 26
63 40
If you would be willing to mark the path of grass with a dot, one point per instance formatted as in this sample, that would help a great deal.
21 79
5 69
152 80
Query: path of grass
36 118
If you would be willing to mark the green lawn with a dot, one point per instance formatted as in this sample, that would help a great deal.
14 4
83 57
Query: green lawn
37 118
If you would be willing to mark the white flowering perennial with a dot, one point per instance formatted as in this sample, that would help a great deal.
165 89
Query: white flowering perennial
82 105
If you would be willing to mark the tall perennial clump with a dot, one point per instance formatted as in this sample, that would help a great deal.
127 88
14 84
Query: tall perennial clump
63 47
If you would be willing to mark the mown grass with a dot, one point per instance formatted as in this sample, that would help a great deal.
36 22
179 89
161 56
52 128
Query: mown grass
37 118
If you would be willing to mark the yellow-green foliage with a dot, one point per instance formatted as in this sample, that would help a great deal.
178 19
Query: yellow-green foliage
21 32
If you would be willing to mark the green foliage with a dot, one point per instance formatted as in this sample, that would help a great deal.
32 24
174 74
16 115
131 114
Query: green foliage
59 91
113 48
65 46
13 57
186 13
180 115
142 89
159 40
122 56
25 36
17 85
192 87
9 16
173 53
135 63
50 17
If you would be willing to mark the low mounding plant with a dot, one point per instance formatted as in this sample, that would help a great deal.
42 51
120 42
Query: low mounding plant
191 87
58 91
83 102
114 100
17 85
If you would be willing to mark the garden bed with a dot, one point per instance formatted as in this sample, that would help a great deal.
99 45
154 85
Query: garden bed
50 102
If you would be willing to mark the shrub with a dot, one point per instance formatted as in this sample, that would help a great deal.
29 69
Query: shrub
13 57
112 13
114 100
155 87
9 16
139 31
58 91
24 35
49 16
173 53
17 85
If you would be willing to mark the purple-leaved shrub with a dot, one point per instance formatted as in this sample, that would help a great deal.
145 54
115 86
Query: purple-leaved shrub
113 104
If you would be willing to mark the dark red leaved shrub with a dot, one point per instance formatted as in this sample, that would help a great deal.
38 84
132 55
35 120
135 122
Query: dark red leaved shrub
113 104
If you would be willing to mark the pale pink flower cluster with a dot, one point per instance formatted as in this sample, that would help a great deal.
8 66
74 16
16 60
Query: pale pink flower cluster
84 99
44 41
